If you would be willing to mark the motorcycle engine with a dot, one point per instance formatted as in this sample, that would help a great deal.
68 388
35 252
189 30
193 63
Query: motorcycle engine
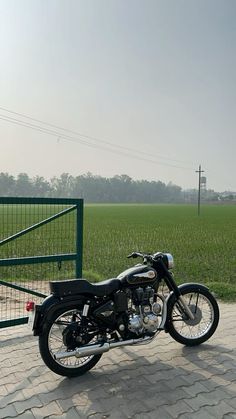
143 318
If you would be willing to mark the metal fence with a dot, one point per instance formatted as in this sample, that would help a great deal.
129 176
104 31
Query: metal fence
41 239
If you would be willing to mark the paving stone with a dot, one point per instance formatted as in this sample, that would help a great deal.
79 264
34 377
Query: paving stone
8 411
69 414
195 389
180 381
23 405
27 415
111 415
219 410
162 380
86 412
179 407
132 409
157 413
200 400
200 414
3 390
47 410
232 402
12 398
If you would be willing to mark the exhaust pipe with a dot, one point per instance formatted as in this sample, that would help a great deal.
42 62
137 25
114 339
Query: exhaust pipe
96 349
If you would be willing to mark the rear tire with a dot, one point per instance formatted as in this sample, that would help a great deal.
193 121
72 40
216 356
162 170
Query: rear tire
51 341
206 311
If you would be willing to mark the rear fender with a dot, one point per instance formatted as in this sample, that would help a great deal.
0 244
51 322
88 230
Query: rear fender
50 305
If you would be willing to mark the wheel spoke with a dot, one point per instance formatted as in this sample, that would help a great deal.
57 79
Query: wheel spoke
56 343
203 312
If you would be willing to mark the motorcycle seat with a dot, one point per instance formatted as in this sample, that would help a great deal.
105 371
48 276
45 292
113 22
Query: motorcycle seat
82 286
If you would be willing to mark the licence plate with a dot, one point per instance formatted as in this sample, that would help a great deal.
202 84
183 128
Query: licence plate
31 319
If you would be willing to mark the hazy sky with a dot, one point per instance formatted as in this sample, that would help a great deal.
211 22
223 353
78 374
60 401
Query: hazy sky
157 77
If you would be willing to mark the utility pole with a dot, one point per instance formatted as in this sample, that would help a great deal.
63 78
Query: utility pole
199 171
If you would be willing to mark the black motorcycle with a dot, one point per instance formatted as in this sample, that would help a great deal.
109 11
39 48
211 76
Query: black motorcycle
80 321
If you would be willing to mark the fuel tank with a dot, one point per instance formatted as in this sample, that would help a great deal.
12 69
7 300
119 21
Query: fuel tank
138 275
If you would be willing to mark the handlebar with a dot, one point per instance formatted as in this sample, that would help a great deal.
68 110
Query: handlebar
166 259
146 257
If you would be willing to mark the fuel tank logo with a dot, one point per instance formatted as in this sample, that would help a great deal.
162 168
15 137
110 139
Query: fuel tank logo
149 274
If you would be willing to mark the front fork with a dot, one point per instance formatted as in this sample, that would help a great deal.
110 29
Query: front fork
186 307
170 282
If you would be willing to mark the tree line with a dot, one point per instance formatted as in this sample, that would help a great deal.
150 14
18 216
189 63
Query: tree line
92 188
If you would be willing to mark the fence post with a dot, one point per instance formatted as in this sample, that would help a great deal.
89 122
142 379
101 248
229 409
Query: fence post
79 239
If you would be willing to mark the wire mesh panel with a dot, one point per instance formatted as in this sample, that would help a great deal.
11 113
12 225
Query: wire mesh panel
40 240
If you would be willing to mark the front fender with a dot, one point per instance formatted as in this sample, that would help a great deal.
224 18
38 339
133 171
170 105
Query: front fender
189 285
50 304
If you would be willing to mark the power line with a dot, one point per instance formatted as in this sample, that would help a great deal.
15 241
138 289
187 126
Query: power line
81 140
76 140
90 137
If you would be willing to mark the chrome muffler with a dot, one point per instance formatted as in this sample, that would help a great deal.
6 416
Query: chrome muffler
96 349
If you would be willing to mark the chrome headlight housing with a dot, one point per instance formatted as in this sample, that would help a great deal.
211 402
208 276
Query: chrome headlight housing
166 257
169 260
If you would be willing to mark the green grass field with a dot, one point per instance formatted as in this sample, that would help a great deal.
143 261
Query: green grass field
204 248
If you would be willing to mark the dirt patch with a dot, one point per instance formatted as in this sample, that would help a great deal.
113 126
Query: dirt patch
12 301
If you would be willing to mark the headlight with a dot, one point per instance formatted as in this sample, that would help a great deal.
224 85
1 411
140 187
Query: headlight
169 260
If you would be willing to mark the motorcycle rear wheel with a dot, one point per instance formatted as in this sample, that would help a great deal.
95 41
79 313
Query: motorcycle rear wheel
51 342
205 309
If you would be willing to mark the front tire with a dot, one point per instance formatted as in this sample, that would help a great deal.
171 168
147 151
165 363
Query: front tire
205 309
51 341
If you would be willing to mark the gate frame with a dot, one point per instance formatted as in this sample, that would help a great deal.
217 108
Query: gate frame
76 205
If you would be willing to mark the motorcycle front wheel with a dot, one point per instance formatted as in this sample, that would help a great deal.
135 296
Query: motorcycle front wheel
60 335
205 309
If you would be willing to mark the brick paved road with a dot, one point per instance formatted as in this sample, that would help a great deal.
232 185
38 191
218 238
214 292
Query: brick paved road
161 380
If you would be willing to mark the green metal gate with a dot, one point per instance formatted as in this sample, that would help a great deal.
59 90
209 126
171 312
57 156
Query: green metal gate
41 239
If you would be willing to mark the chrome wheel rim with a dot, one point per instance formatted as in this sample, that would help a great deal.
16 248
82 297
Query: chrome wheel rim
203 312
56 344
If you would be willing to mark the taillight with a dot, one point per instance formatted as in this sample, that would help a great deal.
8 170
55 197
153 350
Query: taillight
30 306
